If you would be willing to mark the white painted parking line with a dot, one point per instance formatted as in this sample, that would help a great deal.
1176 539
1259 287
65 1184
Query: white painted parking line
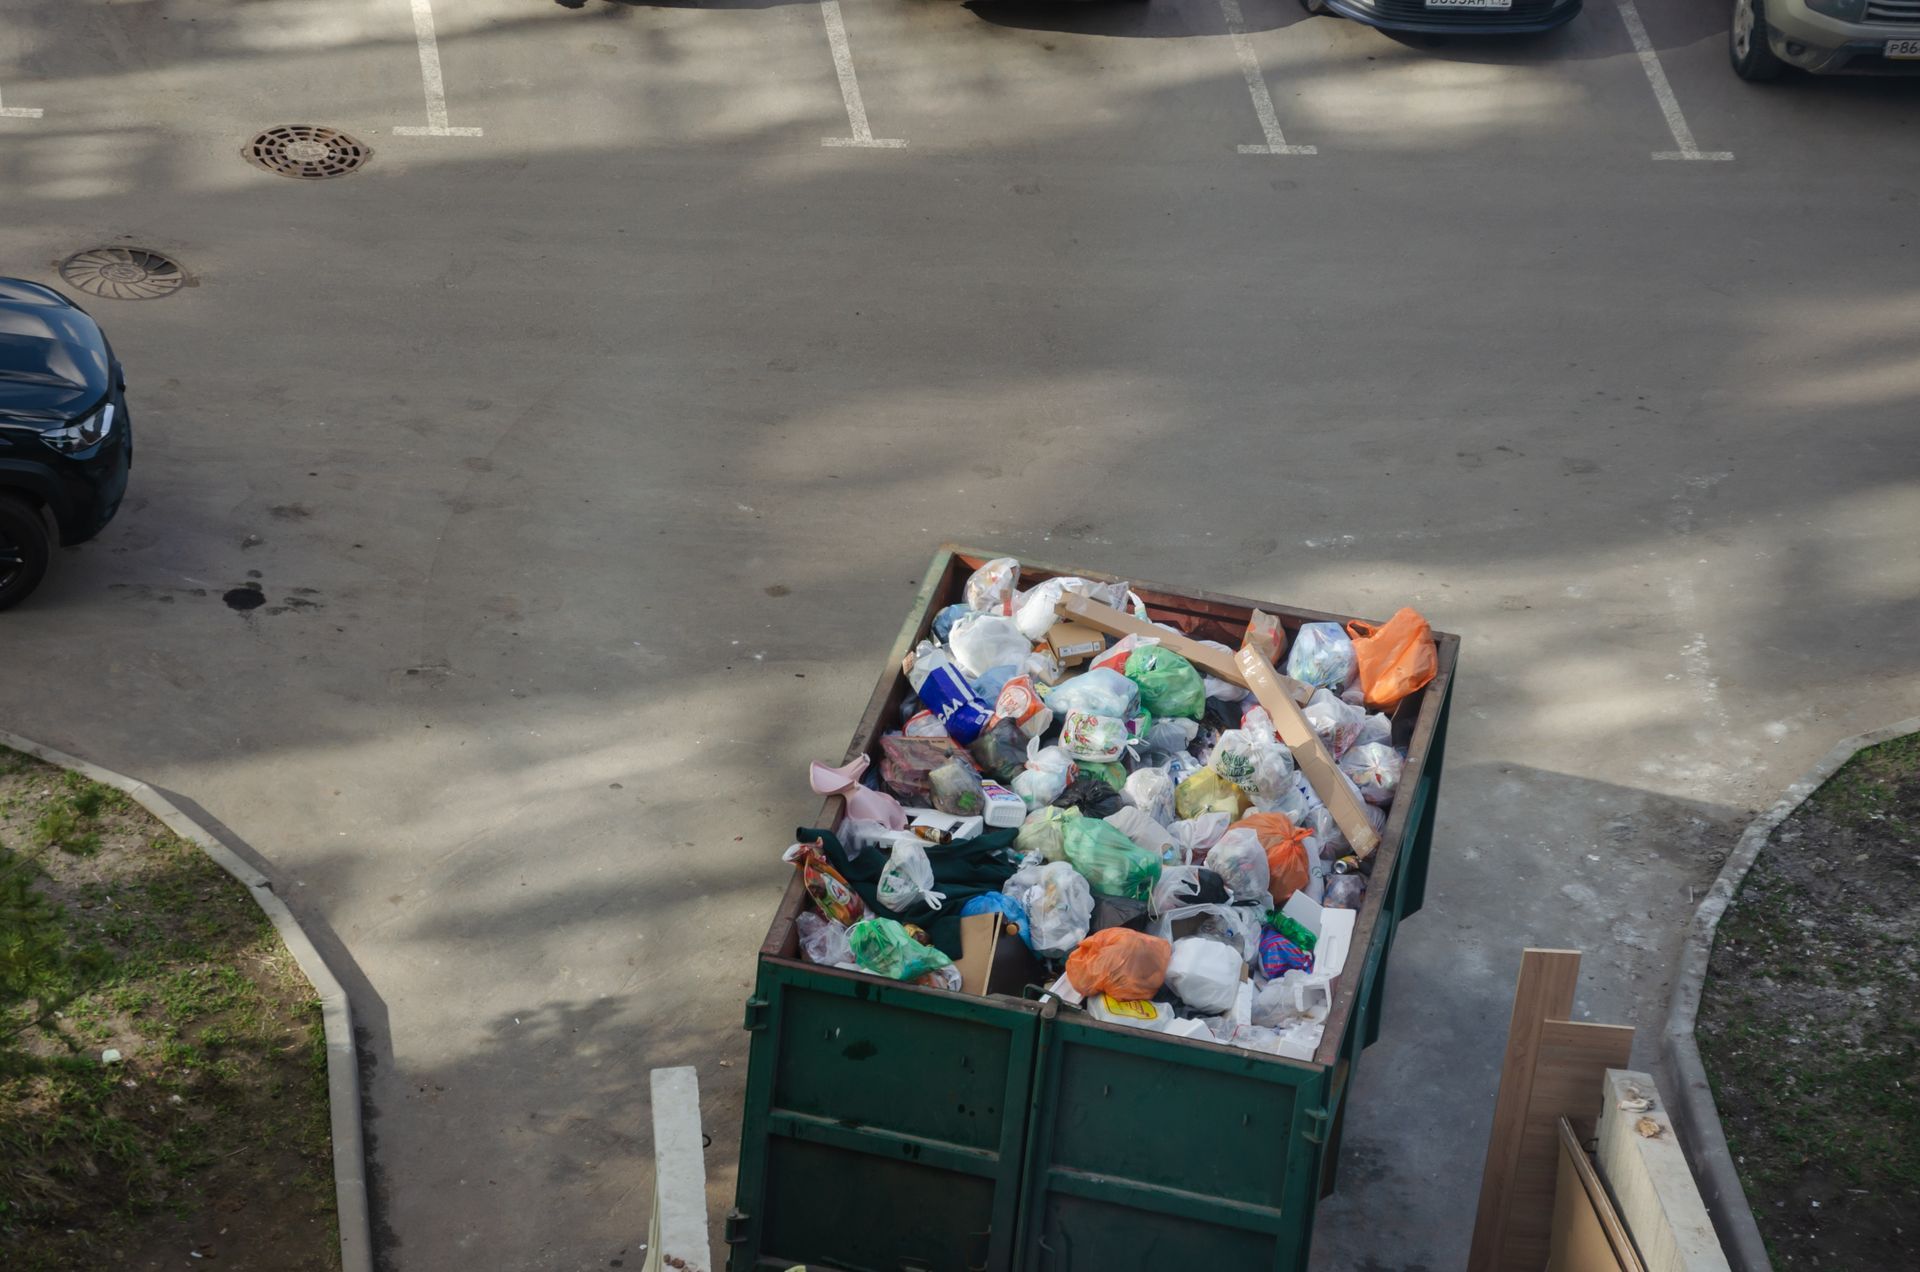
20 112
1257 87
1663 92
430 79
850 87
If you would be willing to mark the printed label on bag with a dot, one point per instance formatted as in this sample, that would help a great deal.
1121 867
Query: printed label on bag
1142 1010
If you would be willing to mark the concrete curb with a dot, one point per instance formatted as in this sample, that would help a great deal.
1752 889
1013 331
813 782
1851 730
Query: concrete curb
343 1070
1691 1099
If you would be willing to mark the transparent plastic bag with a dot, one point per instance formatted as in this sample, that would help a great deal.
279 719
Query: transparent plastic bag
1375 768
944 620
956 788
1293 997
1112 863
1336 723
1143 830
1217 689
907 878
1322 655
1255 720
1240 859
1378 728
1099 692
1235 926
1258 766
1059 908
980 641
991 589
1086 736
1345 892
1170 738
1151 791
883 947
1048 771
822 940
1176 887
1000 751
1044 832
1193 836
1204 973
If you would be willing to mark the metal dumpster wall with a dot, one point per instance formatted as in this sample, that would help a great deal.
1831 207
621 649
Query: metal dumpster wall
884 1125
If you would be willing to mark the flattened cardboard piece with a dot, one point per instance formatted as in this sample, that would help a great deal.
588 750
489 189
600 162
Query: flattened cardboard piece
1074 643
1215 662
1309 752
979 933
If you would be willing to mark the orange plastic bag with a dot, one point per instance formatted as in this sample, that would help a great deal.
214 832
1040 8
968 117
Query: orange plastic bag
1126 964
1395 659
1286 847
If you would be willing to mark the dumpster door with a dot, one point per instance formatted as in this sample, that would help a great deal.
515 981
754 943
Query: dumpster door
1146 1152
883 1126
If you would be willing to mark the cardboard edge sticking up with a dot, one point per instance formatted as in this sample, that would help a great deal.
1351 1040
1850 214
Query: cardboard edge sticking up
1217 663
1309 752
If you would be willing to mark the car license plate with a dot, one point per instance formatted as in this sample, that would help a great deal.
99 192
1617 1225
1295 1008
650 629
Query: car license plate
1508 4
1903 48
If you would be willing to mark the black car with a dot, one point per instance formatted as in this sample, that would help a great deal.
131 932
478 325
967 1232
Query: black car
66 442
1453 17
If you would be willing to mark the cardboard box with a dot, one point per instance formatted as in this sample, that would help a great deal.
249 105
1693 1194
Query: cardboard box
1074 643
992 960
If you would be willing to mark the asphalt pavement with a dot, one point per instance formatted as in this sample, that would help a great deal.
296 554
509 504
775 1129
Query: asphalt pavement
587 447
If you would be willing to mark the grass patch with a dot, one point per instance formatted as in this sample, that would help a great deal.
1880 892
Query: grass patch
209 1134
1809 1028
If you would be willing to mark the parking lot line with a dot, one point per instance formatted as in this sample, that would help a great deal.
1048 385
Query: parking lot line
1257 87
1663 92
430 79
850 86
20 112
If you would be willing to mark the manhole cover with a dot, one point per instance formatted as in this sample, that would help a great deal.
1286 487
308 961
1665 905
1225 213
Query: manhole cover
308 151
123 273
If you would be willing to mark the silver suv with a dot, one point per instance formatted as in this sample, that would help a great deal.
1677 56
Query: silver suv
1824 36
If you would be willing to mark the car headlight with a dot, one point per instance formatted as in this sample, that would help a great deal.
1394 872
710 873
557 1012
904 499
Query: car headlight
83 435
1845 10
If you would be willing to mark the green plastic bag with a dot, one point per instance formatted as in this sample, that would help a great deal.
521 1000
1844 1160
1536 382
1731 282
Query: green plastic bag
1112 863
884 948
1112 772
1044 832
1169 685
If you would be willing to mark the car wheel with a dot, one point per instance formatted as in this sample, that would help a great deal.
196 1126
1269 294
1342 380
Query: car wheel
1753 58
1315 7
24 549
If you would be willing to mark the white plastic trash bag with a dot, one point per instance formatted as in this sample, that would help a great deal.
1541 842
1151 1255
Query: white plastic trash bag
1322 656
1097 692
991 588
908 878
1151 791
822 940
1337 723
1241 862
1375 768
1059 908
1045 778
982 641
1205 974
1036 610
1143 830
1194 836
1176 886
1259 766
1222 690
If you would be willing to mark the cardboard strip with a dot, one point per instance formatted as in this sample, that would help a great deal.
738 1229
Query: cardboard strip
1215 662
1309 752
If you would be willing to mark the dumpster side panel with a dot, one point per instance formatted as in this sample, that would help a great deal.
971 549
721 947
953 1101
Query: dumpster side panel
913 1100
1197 1152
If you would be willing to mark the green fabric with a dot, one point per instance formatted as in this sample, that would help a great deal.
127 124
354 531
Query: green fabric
962 870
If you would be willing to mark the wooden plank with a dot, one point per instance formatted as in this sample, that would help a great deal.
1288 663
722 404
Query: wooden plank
1587 1233
1545 991
1571 1060
1310 753
1648 1174
1215 662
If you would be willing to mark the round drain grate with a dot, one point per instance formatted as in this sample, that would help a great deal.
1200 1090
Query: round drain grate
123 273
307 151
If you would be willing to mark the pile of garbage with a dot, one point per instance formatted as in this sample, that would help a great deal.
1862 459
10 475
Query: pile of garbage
1135 820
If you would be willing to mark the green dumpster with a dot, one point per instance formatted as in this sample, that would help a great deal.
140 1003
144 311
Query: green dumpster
891 1127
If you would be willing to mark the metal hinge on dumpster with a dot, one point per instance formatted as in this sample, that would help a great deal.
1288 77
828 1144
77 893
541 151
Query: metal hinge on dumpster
1317 1135
756 1015
734 1230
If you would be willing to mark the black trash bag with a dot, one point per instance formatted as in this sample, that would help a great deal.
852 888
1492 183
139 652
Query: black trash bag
1111 911
1093 797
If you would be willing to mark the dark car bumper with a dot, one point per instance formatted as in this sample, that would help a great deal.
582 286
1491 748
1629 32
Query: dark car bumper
1525 17
98 483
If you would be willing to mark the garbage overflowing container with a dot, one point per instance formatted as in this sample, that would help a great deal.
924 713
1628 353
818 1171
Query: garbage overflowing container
1077 960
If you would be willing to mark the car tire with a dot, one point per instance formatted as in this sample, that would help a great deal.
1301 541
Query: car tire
25 547
1753 58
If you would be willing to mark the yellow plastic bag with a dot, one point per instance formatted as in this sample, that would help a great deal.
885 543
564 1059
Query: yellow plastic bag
1208 792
